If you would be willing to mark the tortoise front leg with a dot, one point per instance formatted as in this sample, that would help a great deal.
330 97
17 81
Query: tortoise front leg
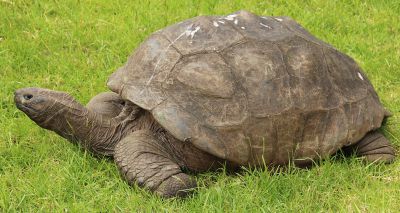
144 160
108 104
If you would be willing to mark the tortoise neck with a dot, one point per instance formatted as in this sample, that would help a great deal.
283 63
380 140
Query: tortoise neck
100 134
96 133
91 130
73 122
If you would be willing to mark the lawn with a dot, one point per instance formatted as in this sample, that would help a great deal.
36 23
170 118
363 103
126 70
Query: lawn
74 46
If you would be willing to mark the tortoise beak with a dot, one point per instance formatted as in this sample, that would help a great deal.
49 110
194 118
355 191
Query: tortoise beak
22 97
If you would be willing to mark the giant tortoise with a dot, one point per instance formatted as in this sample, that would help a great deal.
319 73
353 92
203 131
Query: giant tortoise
236 91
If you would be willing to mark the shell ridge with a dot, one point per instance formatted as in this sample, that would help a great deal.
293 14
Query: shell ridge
286 70
172 44
302 36
162 57
328 74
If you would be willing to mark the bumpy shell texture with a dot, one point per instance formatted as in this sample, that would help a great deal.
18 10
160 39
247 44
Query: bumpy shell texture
250 89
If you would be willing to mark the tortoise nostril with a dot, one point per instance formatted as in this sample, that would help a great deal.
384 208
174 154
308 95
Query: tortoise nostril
28 97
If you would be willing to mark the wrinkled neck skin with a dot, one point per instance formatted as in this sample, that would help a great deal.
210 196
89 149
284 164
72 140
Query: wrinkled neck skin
93 131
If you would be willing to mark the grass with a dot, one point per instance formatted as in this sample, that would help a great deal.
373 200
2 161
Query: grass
75 45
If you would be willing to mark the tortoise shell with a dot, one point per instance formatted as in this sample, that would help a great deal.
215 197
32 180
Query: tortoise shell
250 89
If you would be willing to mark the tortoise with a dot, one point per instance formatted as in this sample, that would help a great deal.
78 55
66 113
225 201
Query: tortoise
236 91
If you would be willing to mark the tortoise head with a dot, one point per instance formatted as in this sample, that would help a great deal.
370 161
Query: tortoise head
59 112
45 107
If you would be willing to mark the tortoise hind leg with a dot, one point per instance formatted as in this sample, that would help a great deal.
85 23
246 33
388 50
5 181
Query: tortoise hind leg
374 147
144 160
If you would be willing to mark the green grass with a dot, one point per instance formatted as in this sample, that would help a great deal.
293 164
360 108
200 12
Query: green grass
75 45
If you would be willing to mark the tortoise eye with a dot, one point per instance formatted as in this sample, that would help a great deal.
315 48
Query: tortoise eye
28 97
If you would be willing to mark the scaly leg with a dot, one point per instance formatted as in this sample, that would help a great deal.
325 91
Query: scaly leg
147 161
374 147
108 104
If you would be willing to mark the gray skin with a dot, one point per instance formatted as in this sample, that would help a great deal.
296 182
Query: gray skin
236 90
110 127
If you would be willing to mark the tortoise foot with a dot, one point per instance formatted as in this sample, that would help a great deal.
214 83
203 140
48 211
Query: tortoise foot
180 185
374 147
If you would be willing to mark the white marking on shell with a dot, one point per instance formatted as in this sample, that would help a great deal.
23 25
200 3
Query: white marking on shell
187 32
236 21
278 19
360 76
263 17
222 22
215 24
170 81
243 28
230 17
264 25
191 32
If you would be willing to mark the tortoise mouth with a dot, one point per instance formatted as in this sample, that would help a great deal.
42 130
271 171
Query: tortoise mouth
24 108
22 100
